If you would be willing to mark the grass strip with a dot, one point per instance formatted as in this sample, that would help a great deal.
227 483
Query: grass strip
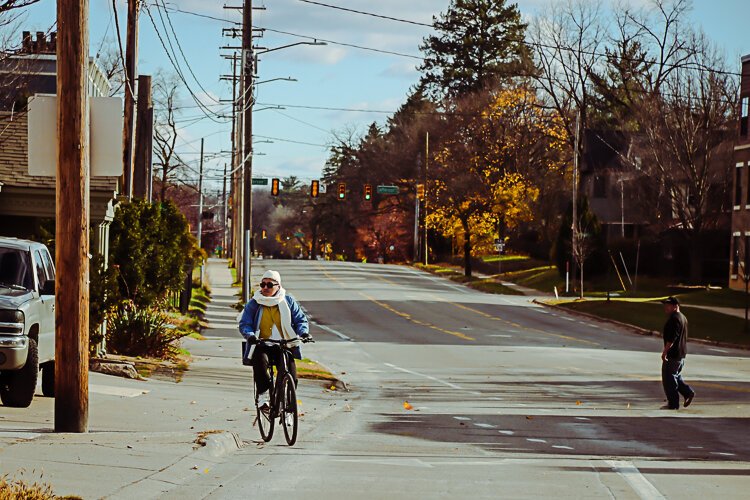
703 324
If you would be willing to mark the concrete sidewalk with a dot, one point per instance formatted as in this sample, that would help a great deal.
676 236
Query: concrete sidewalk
146 438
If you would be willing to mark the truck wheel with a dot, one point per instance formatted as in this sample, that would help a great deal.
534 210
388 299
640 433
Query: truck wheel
48 379
20 385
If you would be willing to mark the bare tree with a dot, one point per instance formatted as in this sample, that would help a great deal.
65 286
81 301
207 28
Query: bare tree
689 131
166 130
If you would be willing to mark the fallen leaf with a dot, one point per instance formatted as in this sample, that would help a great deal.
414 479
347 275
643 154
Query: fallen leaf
205 471
529 417
408 406
333 387
578 403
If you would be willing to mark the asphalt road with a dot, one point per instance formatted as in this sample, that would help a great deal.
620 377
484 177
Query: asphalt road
506 399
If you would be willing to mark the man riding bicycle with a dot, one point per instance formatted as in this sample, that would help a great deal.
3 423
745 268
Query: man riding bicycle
271 314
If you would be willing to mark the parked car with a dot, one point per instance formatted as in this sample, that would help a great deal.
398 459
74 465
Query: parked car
27 321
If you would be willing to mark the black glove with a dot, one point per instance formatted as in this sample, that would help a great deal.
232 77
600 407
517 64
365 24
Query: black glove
252 339
306 337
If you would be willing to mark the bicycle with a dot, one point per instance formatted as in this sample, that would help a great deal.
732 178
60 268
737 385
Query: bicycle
282 396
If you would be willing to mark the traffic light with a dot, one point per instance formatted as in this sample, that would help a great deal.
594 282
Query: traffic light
275 187
368 192
420 192
342 190
315 189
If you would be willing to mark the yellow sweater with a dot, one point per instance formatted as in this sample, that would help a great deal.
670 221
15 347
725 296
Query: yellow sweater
269 317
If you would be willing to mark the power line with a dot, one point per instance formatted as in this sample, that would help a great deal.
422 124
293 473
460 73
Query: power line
290 141
204 109
366 13
343 44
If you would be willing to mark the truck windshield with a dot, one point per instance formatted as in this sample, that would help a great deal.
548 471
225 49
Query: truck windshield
15 269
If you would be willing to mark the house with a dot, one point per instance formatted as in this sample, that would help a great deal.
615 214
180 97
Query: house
27 203
739 268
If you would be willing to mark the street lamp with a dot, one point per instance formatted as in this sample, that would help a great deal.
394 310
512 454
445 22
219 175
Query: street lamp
285 79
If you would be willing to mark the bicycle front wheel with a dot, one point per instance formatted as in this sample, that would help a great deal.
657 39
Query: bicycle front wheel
288 407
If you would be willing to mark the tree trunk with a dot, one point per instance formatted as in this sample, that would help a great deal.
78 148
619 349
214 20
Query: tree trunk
581 291
467 249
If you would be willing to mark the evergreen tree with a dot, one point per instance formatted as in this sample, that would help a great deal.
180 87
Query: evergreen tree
478 42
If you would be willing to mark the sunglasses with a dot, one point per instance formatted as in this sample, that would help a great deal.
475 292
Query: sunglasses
264 284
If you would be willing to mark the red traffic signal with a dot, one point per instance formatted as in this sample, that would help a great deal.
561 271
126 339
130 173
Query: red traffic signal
275 187
342 190
315 189
368 192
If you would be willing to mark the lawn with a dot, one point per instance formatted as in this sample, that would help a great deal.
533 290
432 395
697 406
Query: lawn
543 278
704 324
484 285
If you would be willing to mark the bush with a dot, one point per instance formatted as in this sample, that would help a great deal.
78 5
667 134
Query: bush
133 331
12 487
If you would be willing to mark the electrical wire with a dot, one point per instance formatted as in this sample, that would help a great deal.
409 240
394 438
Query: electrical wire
366 13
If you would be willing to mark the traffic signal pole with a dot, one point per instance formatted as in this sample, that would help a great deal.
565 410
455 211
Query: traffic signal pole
72 219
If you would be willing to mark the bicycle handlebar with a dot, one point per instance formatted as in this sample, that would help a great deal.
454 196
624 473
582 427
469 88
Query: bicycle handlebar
283 342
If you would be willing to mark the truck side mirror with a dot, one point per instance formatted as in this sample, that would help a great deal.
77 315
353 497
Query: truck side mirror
48 288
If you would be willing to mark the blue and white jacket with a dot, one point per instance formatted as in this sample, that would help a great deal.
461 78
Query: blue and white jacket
250 322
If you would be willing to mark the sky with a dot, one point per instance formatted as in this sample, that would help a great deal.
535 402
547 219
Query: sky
295 140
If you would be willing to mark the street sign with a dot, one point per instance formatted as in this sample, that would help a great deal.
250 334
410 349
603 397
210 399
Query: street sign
260 181
299 235
387 189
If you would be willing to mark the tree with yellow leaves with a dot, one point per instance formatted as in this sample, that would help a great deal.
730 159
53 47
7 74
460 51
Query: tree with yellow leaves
481 183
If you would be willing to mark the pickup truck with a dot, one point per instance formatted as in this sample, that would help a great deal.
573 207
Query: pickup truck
27 321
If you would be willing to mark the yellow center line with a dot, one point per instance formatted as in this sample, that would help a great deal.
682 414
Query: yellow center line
415 321
516 325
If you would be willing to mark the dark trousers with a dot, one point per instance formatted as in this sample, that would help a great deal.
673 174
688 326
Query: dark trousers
265 356
671 379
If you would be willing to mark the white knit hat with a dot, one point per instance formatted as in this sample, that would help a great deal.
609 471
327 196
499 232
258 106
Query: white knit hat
272 275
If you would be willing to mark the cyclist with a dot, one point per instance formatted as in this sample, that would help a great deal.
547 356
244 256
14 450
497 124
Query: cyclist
271 314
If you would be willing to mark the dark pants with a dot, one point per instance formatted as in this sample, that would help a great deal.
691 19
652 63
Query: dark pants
671 379
265 356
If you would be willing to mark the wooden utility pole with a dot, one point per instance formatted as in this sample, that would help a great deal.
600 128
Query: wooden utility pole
131 61
72 224
224 205
424 203
144 136
247 149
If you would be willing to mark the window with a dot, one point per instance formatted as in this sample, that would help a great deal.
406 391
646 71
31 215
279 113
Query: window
600 186
736 256
41 273
738 186
744 111
746 265
48 265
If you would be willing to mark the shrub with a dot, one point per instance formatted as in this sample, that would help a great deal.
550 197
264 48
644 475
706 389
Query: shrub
134 331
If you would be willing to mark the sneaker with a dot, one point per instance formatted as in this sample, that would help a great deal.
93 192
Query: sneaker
263 401
688 400
667 407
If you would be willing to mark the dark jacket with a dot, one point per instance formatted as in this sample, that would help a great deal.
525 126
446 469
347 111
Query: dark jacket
676 333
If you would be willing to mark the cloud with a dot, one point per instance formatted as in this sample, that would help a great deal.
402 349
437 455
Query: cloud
310 54
401 70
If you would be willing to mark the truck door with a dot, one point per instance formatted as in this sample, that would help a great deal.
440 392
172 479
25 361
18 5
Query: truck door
45 270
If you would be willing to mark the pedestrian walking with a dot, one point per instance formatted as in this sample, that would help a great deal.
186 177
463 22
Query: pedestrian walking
673 356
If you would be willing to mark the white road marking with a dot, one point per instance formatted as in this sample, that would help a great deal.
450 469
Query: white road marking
485 426
27 436
430 377
567 318
462 418
561 447
502 336
630 473
507 433
582 418
331 330
540 310
722 454
123 392
717 350
532 440
695 447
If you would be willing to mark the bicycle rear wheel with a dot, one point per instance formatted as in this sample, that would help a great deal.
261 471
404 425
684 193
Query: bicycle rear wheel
288 409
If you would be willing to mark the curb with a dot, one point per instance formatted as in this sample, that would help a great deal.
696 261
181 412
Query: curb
219 444
636 329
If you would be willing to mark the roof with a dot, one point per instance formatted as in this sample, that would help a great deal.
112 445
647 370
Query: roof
14 158
746 58
18 244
